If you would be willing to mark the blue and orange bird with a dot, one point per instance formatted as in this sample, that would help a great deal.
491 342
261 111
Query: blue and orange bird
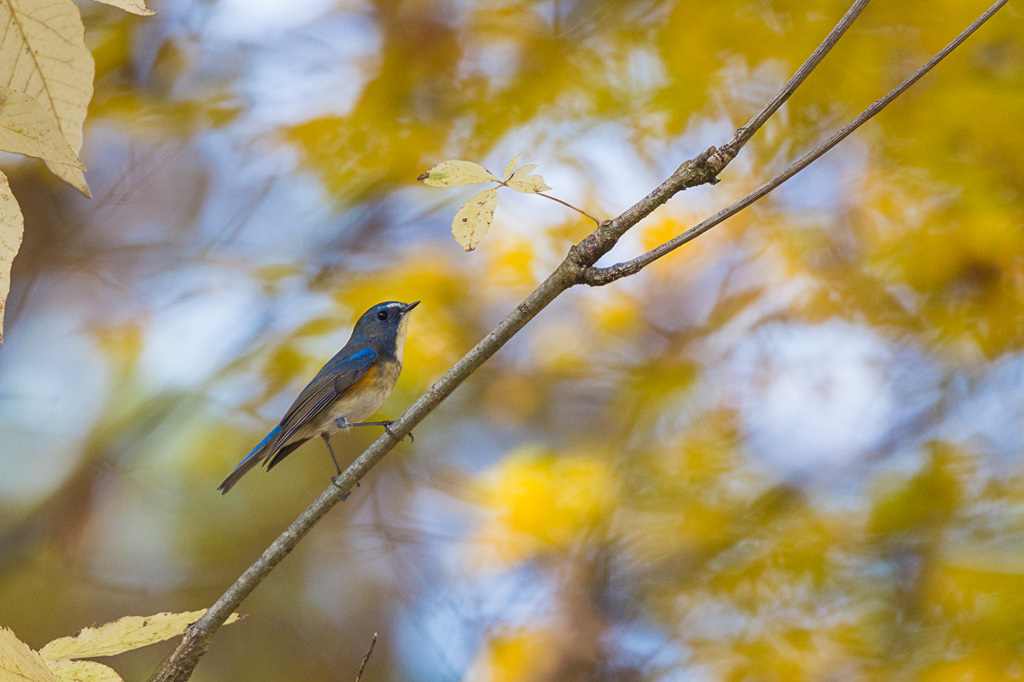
349 388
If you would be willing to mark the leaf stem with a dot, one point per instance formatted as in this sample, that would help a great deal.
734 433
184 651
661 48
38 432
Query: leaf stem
503 183
565 203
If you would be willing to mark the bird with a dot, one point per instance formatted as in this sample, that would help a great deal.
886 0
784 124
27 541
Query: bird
349 388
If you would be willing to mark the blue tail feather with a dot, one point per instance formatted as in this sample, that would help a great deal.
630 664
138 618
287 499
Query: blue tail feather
257 455
273 432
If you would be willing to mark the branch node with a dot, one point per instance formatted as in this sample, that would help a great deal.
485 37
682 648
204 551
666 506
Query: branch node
702 158
586 252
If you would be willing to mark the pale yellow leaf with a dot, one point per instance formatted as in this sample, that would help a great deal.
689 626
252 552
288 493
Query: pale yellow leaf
26 128
525 170
527 184
43 54
124 634
510 168
82 671
133 6
19 662
11 227
454 172
474 219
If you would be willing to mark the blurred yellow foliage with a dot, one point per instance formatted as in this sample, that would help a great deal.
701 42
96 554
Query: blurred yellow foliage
615 314
925 501
284 365
982 666
536 502
971 273
511 262
524 654
656 232
121 344
783 655
984 605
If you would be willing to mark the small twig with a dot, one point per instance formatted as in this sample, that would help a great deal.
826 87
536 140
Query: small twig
600 276
366 658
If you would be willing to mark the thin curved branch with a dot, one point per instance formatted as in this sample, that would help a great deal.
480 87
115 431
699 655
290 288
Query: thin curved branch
744 134
576 268
705 167
601 276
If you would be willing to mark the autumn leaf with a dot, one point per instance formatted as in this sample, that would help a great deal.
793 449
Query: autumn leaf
454 172
43 55
26 128
82 671
474 219
525 170
133 6
521 181
124 634
19 662
11 227
510 168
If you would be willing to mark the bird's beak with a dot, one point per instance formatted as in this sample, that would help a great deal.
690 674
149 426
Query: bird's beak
409 306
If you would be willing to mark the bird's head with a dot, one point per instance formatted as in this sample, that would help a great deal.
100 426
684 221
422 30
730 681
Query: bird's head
383 326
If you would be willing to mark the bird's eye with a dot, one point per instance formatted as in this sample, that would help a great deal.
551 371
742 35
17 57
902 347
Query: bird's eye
382 315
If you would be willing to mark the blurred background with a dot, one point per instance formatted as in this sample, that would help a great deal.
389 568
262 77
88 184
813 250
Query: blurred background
791 450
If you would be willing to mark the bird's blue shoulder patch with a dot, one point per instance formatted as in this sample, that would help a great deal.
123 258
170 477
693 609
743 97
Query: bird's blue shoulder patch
363 355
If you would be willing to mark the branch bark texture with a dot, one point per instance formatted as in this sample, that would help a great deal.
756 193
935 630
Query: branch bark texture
578 267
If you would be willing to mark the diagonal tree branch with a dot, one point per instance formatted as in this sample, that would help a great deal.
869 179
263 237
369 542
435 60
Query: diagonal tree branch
576 268
601 276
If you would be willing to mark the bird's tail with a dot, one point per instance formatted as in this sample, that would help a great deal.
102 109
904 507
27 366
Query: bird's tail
266 447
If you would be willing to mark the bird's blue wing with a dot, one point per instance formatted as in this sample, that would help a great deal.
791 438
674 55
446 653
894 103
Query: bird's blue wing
336 377
330 383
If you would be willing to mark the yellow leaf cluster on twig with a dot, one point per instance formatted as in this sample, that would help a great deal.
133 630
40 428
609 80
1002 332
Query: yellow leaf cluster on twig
474 219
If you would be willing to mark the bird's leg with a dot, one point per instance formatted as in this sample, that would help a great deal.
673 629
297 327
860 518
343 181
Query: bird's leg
334 479
327 442
342 424
346 424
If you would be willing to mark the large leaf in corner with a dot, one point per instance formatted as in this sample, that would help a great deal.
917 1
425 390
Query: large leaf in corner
19 662
43 54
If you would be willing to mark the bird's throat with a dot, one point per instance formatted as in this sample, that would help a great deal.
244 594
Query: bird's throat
403 326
